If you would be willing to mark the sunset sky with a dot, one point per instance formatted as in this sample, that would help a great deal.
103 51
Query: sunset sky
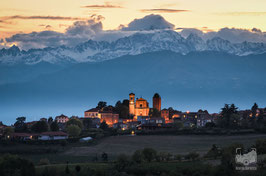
26 16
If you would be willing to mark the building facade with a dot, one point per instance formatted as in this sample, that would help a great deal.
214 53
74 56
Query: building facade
61 119
140 107
108 116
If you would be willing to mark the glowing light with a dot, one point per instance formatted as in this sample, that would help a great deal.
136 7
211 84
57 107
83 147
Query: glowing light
187 112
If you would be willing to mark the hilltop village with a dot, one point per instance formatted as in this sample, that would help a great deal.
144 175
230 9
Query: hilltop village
142 116
134 115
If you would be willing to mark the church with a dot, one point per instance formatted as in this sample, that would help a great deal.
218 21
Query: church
140 107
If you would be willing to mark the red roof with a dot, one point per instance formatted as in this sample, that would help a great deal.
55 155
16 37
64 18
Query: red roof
93 110
61 116
54 133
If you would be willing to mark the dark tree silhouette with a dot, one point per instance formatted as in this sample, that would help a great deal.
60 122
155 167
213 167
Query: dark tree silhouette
54 126
227 114
20 125
101 104
104 125
39 127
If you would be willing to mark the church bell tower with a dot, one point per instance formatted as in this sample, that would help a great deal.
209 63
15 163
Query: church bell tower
132 104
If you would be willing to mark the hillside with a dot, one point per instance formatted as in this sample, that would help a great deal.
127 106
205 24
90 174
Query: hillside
197 80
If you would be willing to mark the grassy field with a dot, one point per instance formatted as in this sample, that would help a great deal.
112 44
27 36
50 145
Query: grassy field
116 145
174 144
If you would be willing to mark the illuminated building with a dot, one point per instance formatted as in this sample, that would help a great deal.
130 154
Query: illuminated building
140 107
108 116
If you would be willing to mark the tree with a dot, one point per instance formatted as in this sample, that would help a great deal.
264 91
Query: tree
20 125
122 109
125 102
154 113
104 125
137 156
227 114
74 121
54 126
50 120
101 104
87 122
104 157
39 127
254 114
149 154
192 156
78 168
122 162
254 110
73 130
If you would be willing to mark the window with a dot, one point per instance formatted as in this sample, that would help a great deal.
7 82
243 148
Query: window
140 105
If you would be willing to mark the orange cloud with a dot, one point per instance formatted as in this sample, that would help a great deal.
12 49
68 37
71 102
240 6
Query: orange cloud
106 5
163 10
40 18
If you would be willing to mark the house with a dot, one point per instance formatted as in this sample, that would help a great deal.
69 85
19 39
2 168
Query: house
23 136
92 113
203 117
108 116
61 119
165 114
53 135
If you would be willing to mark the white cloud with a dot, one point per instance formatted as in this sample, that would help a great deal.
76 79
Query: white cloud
149 22
82 31
231 34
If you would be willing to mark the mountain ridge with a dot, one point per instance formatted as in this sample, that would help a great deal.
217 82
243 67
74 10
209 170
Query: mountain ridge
138 43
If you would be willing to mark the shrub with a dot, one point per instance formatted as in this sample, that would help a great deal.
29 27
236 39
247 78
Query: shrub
44 161
77 168
192 156
122 162
137 156
13 165
73 121
178 157
73 130
261 146
149 154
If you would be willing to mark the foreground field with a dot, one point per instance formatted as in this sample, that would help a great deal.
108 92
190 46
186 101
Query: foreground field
115 145
174 144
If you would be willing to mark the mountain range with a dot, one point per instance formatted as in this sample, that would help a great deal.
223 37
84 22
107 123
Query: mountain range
138 43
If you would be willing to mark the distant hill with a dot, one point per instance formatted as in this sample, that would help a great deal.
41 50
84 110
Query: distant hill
204 80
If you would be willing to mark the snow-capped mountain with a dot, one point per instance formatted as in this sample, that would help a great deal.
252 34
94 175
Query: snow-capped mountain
138 43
